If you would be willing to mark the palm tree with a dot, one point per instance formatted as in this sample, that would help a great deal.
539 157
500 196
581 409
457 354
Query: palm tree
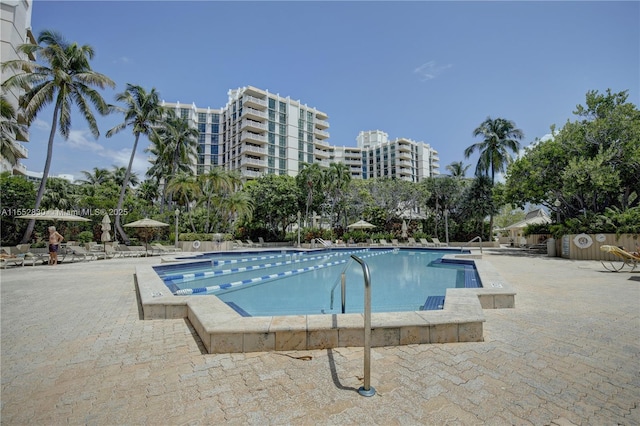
10 131
457 169
142 112
500 137
65 78
214 184
118 173
309 181
174 147
185 188
95 178
337 182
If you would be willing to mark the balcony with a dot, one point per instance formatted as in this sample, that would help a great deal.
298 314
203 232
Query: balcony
253 125
321 154
253 162
248 100
254 113
253 149
21 150
321 134
403 147
322 124
20 169
253 137
250 173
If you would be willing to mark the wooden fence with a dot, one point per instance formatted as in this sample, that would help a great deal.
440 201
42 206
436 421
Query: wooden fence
587 246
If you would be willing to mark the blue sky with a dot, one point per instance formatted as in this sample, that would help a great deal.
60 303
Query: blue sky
428 71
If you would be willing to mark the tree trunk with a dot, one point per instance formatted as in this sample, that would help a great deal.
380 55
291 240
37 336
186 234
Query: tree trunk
123 190
45 174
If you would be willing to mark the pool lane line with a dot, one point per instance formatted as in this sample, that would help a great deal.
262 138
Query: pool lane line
189 291
191 276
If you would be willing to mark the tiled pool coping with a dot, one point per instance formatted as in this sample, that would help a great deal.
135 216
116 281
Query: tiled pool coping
223 330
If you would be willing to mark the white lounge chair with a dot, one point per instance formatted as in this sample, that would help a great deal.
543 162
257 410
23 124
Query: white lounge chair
426 243
413 242
438 243
324 242
384 242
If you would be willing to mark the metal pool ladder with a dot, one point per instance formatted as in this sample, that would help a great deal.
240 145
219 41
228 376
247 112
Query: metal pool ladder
366 389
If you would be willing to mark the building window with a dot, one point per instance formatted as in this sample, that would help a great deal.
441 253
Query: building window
283 141
184 113
215 118
272 103
215 128
202 127
272 126
283 106
202 117
283 129
283 118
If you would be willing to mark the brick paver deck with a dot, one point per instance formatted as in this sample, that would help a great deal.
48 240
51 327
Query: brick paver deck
75 351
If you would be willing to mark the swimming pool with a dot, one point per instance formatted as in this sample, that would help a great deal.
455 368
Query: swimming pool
299 283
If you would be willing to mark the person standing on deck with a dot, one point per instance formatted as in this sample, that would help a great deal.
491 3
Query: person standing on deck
54 245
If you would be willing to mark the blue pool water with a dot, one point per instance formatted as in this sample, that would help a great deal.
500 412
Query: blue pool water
297 283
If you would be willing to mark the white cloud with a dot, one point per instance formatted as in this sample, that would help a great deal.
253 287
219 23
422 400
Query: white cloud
430 70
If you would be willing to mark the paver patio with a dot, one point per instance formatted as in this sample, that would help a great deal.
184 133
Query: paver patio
75 351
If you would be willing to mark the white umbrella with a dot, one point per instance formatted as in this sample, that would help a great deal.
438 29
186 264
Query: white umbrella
56 214
106 227
146 223
361 224
404 229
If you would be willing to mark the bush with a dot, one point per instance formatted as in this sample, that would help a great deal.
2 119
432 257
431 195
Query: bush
85 237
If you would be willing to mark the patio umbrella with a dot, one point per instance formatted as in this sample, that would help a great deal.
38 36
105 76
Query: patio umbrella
146 223
56 214
404 229
361 224
106 227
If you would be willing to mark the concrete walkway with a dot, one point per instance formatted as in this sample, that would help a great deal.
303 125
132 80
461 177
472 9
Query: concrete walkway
74 351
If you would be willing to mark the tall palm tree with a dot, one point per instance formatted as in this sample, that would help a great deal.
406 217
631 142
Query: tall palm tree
500 137
10 131
309 181
337 182
173 146
142 112
95 178
185 188
215 184
64 78
457 169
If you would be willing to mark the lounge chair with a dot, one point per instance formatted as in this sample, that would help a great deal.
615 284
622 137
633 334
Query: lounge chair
372 242
261 241
251 243
412 242
427 243
324 242
238 244
626 258
438 243
384 242
394 242
160 249
8 259
78 252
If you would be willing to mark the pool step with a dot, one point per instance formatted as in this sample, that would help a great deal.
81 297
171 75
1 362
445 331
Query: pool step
433 303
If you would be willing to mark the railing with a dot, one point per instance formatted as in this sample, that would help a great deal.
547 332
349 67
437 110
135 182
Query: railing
343 283
366 389
478 238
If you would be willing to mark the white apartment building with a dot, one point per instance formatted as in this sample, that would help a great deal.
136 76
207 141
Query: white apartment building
401 158
15 29
259 133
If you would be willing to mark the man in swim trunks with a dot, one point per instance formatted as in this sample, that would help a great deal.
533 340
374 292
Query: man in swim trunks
54 244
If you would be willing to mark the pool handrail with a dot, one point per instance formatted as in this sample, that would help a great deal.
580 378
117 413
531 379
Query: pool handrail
472 240
366 389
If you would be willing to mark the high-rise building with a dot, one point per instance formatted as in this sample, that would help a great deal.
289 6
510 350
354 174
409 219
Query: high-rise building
15 28
401 158
259 133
